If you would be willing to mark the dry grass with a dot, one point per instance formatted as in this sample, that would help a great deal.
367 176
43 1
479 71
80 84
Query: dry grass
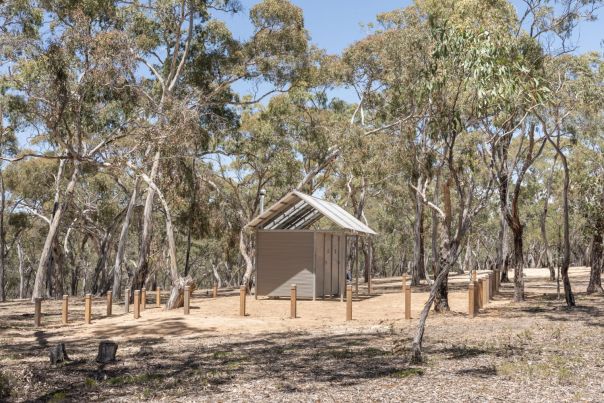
534 351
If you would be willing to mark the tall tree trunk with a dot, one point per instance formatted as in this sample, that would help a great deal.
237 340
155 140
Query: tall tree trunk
568 293
21 270
517 231
142 270
2 238
121 246
543 221
418 237
435 225
192 209
447 259
178 283
41 273
58 270
503 246
597 263
249 265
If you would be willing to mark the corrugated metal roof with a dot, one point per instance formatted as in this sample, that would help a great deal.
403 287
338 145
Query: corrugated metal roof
297 210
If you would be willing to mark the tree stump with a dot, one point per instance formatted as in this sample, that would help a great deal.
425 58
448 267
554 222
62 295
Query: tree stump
58 354
107 351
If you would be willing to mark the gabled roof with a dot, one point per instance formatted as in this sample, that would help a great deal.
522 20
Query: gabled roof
297 210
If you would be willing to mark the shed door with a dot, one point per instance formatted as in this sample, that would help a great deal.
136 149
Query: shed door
335 258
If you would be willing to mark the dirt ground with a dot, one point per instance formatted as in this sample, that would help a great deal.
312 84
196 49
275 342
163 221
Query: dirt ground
532 351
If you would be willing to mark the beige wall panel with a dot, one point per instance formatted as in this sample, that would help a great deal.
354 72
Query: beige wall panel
285 258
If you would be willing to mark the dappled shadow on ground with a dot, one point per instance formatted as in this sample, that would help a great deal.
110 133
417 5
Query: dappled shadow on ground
169 359
286 360
542 301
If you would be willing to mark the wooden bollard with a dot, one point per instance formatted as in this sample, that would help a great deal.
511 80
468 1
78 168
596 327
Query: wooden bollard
486 289
65 310
403 288
38 312
349 302
109 303
215 291
471 300
137 306
242 292
186 304
127 301
294 301
480 293
143 298
158 297
476 295
407 301
88 309
474 276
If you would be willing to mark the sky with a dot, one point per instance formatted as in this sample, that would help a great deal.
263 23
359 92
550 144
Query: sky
335 24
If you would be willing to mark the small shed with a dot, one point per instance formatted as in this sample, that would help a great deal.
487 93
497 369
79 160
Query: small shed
290 249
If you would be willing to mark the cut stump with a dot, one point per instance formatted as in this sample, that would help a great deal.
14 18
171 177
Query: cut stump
58 354
107 351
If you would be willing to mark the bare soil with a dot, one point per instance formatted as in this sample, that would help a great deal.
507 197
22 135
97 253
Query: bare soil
537 350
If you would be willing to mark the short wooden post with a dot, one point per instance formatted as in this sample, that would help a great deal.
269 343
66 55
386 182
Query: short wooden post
215 291
137 306
407 301
474 276
127 301
65 310
349 302
109 302
476 295
143 298
38 312
293 297
488 287
242 292
158 297
187 295
88 309
484 289
471 309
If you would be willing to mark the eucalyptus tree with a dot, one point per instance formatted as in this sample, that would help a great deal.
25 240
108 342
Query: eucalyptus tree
192 60
68 85
8 148
571 113
462 83
543 28
382 68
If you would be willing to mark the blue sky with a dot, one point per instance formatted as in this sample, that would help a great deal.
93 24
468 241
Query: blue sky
335 24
